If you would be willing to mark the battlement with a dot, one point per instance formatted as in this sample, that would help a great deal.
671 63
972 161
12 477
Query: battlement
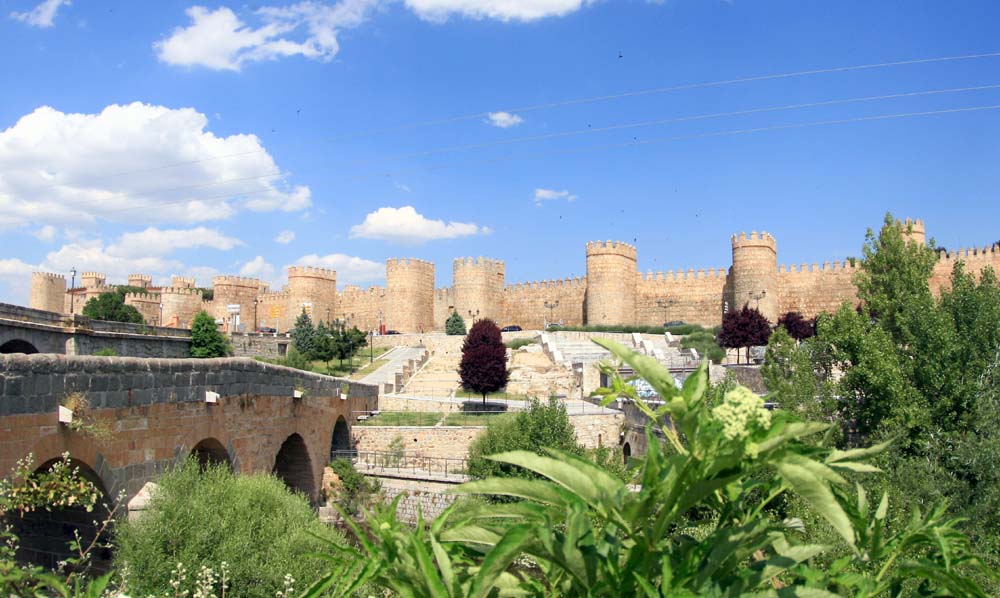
565 283
992 252
49 275
611 248
182 282
274 297
140 280
174 290
142 297
355 291
93 279
754 239
312 272
842 266
480 262
408 262
679 275
237 281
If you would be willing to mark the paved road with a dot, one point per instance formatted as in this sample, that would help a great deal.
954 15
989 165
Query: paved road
398 357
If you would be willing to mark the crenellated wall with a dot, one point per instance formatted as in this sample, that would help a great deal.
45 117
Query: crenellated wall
613 292
531 305
692 297
147 304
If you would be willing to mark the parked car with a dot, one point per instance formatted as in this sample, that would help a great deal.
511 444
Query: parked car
673 323
392 332
511 329
264 330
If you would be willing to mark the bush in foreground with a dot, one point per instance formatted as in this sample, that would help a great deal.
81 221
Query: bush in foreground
211 516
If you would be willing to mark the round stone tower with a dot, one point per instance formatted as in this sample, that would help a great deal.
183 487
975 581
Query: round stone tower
913 230
143 281
409 287
236 291
478 288
316 290
48 292
611 283
754 273
180 306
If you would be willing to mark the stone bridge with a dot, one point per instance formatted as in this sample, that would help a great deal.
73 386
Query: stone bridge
264 418
25 330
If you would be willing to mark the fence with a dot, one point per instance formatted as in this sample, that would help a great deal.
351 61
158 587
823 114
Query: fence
500 405
403 463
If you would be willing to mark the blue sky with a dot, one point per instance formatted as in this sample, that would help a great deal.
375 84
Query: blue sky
175 138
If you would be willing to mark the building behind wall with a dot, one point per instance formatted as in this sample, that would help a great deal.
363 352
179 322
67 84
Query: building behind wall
613 292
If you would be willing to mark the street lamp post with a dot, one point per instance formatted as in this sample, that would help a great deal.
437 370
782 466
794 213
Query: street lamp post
72 285
473 315
664 304
756 297
551 305
255 301
160 322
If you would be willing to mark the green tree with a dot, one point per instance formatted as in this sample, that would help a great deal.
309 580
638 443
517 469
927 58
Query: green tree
304 336
793 382
455 324
347 342
324 344
206 339
111 307
539 426
483 367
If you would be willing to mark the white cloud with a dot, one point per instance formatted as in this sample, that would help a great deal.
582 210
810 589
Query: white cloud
258 268
156 242
67 169
285 237
218 39
350 269
542 195
406 225
43 15
503 120
46 234
502 10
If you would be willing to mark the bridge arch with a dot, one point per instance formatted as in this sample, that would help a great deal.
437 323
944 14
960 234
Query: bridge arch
341 438
209 451
18 346
293 465
44 535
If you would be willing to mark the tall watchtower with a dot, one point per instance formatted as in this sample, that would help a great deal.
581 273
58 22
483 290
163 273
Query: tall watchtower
93 280
478 287
409 287
755 273
913 230
143 281
48 292
316 290
611 283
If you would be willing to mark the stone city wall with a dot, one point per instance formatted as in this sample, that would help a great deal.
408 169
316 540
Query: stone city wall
363 306
814 290
431 497
524 304
693 298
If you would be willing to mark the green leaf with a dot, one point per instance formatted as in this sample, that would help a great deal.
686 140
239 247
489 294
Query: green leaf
536 490
858 453
499 559
645 367
569 475
815 490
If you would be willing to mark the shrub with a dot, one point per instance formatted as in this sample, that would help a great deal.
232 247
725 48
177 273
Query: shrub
356 490
295 359
541 425
455 324
206 340
517 343
206 517
704 343
483 368
106 352
798 327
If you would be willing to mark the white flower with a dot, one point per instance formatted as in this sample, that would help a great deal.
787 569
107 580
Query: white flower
740 412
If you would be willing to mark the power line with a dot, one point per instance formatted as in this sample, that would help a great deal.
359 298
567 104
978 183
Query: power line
633 143
563 134
569 102
660 90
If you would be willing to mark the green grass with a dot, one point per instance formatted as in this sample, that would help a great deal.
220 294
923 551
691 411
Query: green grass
369 368
403 418
704 342
461 393
517 343
469 418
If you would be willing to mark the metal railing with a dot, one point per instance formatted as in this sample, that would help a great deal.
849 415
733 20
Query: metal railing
403 463
397 418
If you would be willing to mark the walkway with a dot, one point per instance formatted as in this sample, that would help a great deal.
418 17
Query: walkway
397 358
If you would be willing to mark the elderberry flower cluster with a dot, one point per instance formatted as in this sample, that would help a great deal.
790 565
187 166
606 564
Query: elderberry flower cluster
740 413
